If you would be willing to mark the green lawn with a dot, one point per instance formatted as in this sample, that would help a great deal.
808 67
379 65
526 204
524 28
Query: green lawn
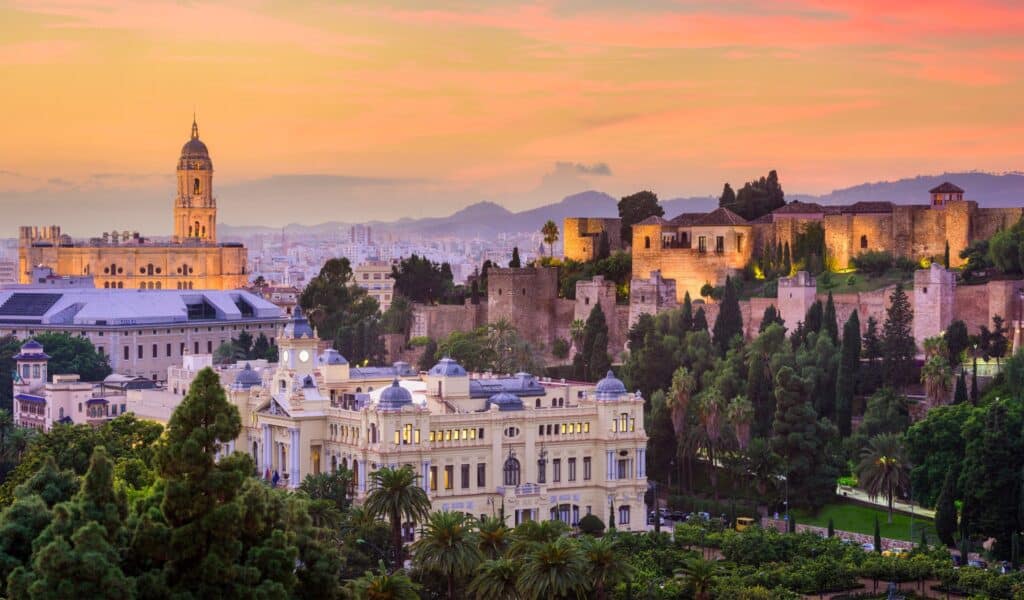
859 282
861 519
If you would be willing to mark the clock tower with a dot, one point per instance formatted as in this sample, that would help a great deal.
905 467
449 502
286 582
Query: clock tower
297 347
195 208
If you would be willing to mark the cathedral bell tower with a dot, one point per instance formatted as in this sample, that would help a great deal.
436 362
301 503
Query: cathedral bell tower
195 209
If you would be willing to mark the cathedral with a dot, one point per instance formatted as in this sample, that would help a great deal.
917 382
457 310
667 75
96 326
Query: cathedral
192 259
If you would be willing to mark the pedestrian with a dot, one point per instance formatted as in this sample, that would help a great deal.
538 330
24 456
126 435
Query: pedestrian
275 479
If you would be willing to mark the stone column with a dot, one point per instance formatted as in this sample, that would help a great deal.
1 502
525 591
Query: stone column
362 474
425 476
295 478
267 450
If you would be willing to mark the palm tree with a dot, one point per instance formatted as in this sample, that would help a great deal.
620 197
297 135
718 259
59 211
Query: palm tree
709 413
550 232
383 586
883 468
607 566
530 535
740 414
576 330
678 402
556 569
496 580
494 537
937 377
394 495
448 546
699 575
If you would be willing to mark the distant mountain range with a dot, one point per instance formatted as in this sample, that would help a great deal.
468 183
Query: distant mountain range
489 219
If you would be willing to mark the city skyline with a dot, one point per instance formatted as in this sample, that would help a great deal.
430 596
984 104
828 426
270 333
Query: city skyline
372 112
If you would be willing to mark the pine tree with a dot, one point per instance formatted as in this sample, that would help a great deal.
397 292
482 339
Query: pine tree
729 322
945 510
961 388
813 319
898 347
849 371
600 363
975 394
802 440
700 321
515 263
771 315
829 322
728 197
594 345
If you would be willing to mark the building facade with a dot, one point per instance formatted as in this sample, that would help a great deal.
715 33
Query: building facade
533 448
192 259
141 332
581 236
375 277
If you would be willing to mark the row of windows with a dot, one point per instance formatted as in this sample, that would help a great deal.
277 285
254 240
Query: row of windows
563 428
344 432
624 423
448 435
556 470
448 477
140 353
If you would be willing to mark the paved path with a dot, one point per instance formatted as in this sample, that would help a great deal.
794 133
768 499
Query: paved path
869 587
861 496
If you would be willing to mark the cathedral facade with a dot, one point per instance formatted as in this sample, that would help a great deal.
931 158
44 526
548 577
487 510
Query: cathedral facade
192 259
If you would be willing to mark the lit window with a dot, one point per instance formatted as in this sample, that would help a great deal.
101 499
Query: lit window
447 435
472 434
396 436
416 438
586 427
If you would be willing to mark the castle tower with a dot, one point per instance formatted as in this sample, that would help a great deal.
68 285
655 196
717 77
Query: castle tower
796 294
934 296
195 208
30 365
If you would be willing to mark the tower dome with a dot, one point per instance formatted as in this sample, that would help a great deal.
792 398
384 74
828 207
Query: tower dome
247 377
504 401
447 367
394 397
194 149
610 388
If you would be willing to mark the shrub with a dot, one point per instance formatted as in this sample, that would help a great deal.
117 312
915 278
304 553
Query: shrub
592 525
560 349
873 262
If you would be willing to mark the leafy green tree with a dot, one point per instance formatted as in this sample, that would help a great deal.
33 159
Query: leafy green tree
606 564
515 263
398 317
20 524
898 347
343 312
871 376
635 208
686 315
935 446
729 322
661 443
13 442
550 233
882 470
73 355
429 356
594 348
878 537
849 370
768 348
10 346
814 318
758 197
728 197
937 378
421 280
945 510
831 528
555 569
334 487
395 495
818 363
383 586
957 341
497 579
802 441
449 547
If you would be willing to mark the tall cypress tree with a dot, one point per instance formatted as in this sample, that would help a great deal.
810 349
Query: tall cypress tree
898 347
849 369
700 321
802 440
729 322
515 263
686 313
787 263
829 322
595 345
771 315
945 509
961 388
814 317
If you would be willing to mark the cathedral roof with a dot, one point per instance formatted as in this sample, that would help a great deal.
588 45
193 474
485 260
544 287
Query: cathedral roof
194 148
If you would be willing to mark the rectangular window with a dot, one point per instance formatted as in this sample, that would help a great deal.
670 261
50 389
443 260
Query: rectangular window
181 349
433 479
480 433
586 468
572 469
154 351
416 436
449 477
209 346
702 244
431 436
196 348
624 515
168 349
126 353
472 434
464 476
397 434
139 350
447 435
481 475
622 471
739 242
542 471
719 244
556 470
540 430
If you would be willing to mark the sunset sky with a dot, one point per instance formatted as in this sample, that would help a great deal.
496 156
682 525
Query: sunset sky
398 110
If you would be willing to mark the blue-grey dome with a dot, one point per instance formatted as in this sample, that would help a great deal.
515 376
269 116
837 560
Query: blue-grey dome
394 397
504 401
332 357
610 388
298 327
447 367
247 377
32 345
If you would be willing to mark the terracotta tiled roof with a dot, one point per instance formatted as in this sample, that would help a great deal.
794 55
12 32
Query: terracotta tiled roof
946 188
653 220
686 219
762 220
868 207
721 216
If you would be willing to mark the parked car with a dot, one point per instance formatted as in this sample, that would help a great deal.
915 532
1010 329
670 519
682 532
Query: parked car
977 563
744 523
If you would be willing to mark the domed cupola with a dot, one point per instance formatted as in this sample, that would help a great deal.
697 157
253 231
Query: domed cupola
195 151
447 367
298 326
504 401
394 397
332 357
248 378
610 388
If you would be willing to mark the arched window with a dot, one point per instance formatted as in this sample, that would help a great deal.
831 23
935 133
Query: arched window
149 269
195 186
255 452
863 241
120 284
511 472
647 241
373 433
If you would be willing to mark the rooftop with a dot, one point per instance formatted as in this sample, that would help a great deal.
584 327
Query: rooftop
946 188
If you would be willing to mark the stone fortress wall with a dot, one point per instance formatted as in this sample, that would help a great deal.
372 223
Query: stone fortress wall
580 236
